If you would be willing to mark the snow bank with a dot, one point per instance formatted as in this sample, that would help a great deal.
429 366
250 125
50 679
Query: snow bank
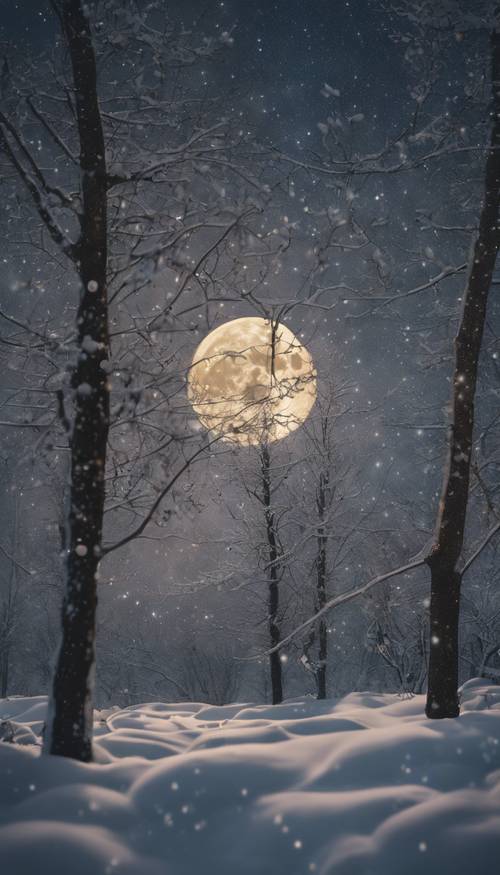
360 786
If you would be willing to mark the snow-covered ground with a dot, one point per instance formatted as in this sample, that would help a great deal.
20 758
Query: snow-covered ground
358 786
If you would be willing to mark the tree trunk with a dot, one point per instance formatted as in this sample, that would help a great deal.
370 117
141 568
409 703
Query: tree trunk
273 600
322 653
442 696
4 673
10 610
69 728
321 587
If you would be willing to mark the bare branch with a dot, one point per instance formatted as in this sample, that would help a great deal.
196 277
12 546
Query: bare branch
486 540
344 598
36 195
158 500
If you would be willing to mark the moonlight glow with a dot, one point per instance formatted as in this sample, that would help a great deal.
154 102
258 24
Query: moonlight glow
252 380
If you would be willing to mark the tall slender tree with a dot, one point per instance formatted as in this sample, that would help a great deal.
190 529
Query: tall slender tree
444 558
273 571
69 729
140 180
433 137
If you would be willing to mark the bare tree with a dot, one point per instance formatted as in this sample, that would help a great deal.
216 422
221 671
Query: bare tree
9 604
480 623
326 476
442 697
69 727
212 675
115 208
431 138
273 569
397 637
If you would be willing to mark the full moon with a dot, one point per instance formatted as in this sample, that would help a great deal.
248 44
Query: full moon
251 381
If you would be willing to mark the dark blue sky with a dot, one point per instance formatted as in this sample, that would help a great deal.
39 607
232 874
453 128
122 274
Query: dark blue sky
283 53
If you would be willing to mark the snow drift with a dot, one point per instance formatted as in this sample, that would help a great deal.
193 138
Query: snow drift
364 785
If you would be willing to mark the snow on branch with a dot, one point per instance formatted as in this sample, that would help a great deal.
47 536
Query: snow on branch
38 195
485 541
164 492
345 597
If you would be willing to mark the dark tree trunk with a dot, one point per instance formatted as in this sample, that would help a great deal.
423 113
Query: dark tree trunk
321 586
273 601
10 611
4 672
69 730
322 653
442 696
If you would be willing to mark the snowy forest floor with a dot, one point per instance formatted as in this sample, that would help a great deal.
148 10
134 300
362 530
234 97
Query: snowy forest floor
364 784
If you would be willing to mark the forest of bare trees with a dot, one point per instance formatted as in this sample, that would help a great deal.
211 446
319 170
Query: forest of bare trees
141 211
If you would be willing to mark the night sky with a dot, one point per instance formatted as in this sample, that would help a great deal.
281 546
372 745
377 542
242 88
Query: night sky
283 53
274 76
286 51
